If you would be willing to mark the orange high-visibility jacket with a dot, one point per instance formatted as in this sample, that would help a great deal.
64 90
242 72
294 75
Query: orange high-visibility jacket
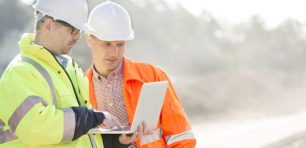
174 129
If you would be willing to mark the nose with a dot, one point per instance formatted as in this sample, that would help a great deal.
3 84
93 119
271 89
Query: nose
115 51
77 36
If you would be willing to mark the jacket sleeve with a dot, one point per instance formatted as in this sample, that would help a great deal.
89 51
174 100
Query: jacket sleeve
176 129
85 119
26 107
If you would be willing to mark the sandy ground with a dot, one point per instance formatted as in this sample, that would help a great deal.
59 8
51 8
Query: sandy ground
251 133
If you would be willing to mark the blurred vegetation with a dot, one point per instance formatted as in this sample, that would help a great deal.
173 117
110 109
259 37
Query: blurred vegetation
217 69
14 17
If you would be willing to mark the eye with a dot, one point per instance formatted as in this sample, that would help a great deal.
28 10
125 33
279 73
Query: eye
107 44
120 44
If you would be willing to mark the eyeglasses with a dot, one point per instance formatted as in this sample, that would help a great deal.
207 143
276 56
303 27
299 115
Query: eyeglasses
74 31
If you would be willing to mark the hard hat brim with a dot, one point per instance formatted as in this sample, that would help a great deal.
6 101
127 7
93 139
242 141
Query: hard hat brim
102 37
83 27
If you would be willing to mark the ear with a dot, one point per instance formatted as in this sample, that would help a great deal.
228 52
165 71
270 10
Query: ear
88 39
47 25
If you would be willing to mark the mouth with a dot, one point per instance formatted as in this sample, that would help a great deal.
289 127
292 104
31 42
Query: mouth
72 43
111 60
70 46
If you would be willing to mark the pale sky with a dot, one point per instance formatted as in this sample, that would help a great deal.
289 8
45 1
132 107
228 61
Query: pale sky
235 11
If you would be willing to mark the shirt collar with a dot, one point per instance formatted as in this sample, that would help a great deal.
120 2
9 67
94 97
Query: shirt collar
62 60
117 72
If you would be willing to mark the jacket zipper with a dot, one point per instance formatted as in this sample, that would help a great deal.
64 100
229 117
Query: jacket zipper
91 142
68 78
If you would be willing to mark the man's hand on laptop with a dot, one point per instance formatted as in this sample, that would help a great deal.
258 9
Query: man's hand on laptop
109 121
141 131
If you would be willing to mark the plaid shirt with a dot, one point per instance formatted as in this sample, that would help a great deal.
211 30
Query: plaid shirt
109 93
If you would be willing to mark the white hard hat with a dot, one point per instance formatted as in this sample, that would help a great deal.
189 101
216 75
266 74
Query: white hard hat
74 12
110 22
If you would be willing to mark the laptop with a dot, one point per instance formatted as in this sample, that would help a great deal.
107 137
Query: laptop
148 109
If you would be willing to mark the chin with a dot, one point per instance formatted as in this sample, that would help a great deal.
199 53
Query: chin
111 68
67 51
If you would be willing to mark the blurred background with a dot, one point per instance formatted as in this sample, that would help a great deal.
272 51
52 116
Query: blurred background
239 67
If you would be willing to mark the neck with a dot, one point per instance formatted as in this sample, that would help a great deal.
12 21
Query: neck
44 41
101 71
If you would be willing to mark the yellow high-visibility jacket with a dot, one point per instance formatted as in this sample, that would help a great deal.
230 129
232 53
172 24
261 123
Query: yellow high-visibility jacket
35 112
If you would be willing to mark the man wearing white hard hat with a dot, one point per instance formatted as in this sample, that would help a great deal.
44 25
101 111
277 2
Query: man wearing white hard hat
43 92
115 81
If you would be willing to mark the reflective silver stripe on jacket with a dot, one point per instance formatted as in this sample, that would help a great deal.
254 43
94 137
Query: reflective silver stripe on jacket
45 74
151 138
23 109
69 124
179 137
93 141
6 135
69 116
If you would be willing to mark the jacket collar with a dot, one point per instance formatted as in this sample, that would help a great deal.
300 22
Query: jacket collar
130 70
29 48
